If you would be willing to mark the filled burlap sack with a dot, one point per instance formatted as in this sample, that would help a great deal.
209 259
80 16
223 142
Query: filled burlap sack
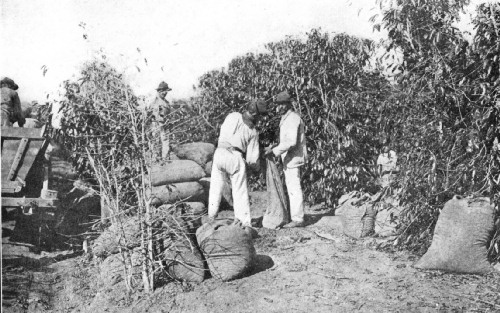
277 213
176 171
175 243
227 247
78 209
461 237
208 168
347 196
183 260
112 269
173 157
188 191
196 208
385 224
124 232
357 216
387 220
200 152
61 169
188 213
227 196
194 213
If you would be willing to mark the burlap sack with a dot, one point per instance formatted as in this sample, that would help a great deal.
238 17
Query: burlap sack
183 260
208 168
194 213
358 217
227 196
61 169
188 191
125 232
227 247
177 171
344 198
200 152
461 237
196 208
111 270
175 243
388 212
277 213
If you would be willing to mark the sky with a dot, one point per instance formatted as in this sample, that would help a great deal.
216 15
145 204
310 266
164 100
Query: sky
155 40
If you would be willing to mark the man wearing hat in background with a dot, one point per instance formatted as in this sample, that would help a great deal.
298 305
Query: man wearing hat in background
386 164
238 140
161 108
11 105
293 152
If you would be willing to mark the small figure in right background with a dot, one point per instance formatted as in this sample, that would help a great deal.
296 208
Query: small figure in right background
387 164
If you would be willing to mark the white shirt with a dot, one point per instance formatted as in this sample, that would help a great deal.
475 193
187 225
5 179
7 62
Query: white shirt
235 133
387 161
292 146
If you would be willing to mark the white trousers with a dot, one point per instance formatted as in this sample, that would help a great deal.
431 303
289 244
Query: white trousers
292 180
165 144
164 140
229 163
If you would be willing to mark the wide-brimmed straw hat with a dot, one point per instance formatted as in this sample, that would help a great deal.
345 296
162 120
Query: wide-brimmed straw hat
163 86
9 82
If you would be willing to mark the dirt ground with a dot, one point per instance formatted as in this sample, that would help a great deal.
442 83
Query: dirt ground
310 269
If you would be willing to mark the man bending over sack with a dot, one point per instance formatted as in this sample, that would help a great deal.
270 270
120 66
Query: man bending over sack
293 152
238 140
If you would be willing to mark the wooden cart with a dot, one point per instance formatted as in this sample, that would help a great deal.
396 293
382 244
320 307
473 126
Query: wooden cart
25 173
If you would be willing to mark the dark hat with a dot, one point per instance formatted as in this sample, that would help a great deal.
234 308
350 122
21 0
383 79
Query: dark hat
283 97
9 82
163 86
257 106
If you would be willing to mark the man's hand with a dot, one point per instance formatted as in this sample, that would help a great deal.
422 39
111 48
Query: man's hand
268 150
211 218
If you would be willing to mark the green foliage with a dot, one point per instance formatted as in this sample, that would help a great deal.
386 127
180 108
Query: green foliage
338 99
109 138
442 114
447 128
95 116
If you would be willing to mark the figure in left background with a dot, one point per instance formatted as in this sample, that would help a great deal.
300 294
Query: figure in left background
11 111
161 109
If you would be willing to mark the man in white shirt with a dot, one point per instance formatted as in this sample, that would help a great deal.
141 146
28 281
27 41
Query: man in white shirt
386 165
161 109
238 137
293 152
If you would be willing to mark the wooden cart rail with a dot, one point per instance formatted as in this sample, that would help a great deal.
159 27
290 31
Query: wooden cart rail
20 149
